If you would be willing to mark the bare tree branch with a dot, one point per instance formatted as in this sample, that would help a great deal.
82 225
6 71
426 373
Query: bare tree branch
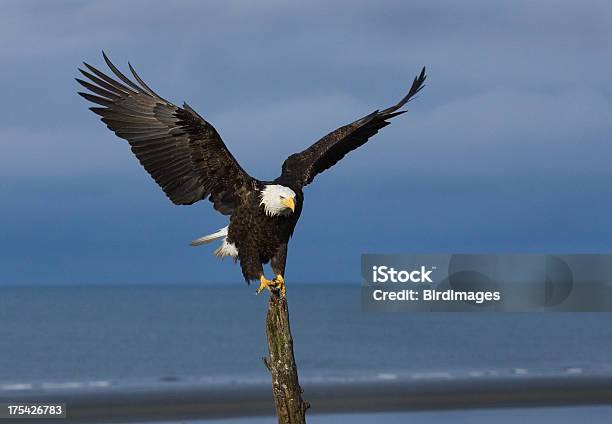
290 407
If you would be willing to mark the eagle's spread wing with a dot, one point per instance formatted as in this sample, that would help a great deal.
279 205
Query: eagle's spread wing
301 168
182 152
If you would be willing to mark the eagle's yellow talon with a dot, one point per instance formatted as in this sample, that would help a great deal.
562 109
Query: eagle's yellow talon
280 284
277 284
264 283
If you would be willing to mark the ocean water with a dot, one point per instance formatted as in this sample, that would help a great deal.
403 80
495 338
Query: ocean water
127 333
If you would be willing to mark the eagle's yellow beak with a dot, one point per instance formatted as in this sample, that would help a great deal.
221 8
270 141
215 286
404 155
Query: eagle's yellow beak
289 202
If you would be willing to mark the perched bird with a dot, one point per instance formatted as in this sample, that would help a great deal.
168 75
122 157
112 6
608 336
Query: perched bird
188 159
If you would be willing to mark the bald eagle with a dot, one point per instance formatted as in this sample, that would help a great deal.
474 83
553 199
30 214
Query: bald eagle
188 159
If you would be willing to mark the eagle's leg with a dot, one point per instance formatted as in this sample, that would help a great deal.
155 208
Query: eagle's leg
278 266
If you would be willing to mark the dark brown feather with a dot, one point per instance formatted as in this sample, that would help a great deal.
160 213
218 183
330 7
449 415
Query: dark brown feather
300 169
178 148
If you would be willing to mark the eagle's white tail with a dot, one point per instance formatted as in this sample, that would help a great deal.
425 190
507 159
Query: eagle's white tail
222 233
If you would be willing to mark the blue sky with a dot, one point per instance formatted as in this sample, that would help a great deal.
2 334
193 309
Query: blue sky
508 148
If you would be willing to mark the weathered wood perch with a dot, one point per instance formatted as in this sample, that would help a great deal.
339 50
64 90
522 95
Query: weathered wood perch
290 407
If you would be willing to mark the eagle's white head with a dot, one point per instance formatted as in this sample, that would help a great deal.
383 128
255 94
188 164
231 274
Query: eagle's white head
277 200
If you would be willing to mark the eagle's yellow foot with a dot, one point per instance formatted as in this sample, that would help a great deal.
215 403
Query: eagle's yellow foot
280 284
277 284
264 283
